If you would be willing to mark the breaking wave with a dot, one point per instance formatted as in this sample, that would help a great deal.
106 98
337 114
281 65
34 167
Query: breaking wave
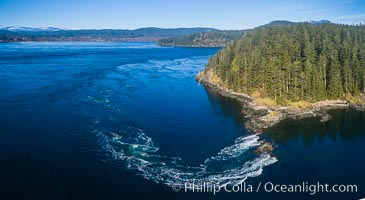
231 165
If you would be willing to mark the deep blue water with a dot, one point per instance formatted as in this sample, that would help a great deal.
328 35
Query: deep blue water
127 120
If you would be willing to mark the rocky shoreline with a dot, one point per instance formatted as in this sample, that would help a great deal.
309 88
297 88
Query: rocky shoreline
260 117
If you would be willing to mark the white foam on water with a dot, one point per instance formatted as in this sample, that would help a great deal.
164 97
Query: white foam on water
231 165
139 153
181 66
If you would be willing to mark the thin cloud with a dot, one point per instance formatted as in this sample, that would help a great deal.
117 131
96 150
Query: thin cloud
354 18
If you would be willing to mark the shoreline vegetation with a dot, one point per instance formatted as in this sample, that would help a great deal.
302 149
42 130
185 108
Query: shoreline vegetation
294 71
262 113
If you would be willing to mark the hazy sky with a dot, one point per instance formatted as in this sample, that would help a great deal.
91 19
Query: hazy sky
131 14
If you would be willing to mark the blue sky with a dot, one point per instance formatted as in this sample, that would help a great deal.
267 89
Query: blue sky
131 14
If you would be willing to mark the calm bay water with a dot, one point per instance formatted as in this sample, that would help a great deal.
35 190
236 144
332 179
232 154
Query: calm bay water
127 120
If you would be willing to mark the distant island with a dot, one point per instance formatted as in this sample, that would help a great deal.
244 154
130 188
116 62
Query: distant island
294 70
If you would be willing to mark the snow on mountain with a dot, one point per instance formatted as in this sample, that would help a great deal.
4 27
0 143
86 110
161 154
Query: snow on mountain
22 28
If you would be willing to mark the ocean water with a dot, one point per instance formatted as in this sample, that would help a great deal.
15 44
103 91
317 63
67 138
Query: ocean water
128 121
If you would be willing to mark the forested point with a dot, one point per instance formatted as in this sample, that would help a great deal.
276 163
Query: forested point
292 63
219 38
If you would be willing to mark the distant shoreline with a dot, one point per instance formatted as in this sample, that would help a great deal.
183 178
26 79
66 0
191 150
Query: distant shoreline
260 117
80 42
149 34
154 40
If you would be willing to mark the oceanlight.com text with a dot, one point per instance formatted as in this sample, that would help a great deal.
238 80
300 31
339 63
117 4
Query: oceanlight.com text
270 187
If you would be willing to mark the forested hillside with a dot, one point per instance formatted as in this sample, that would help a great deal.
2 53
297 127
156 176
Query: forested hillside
221 38
205 39
291 63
